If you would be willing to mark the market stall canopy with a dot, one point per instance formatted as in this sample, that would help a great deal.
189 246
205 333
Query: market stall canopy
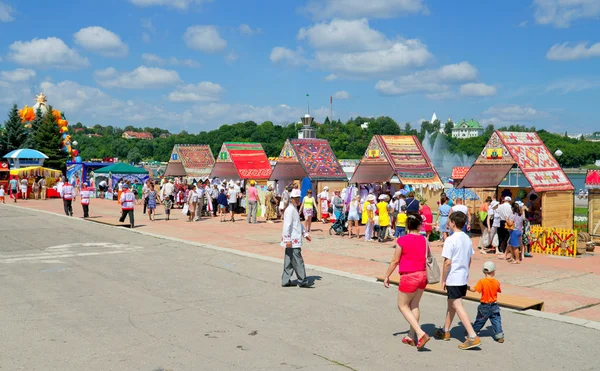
33 171
404 155
242 161
312 158
25 153
121 168
530 154
191 160
485 176
592 179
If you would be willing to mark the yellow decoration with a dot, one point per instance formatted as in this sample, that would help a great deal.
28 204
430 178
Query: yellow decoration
27 114
64 129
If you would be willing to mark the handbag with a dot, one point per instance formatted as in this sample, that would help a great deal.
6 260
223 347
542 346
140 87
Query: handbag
185 209
431 266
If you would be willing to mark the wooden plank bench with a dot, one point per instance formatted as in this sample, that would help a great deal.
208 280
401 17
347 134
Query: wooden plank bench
108 222
504 300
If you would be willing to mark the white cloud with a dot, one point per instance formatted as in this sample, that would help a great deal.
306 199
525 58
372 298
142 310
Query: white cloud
352 48
49 53
141 78
429 81
231 57
101 41
515 113
204 91
178 4
284 55
342 94
18 75
222 112
146 37
157 60
6 12
561 13
204 38
566 52
523 24
249 31
444 95
478 90
342 35
331 77
573 85
352 9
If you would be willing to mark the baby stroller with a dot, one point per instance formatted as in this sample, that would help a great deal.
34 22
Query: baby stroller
340 226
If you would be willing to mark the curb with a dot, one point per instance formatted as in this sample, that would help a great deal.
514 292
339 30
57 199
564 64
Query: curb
594 325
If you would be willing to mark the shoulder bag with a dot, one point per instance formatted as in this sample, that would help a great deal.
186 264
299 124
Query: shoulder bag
431 266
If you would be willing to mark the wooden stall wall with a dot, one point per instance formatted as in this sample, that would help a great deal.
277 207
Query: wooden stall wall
333 185
557 209
594 212
432 196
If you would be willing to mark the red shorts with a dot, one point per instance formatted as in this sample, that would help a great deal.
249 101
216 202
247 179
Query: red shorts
411 282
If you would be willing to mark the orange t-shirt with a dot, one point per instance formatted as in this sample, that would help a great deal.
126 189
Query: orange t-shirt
489 289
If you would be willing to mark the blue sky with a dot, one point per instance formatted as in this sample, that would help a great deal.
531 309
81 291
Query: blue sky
198 64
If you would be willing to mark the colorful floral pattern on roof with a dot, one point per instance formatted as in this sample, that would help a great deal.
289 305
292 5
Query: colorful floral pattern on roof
495 152
459 172
374 153
197 160
287 153
318 160
409 159
592 179
535 161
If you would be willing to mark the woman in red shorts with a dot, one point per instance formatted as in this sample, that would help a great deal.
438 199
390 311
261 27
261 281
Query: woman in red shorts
410 257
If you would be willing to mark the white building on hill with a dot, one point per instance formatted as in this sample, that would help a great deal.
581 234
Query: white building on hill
467 129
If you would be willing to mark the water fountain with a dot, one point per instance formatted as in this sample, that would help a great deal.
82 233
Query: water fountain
441 157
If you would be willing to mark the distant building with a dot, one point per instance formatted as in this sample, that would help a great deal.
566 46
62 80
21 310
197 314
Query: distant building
94 135
135 135
467 129
165 135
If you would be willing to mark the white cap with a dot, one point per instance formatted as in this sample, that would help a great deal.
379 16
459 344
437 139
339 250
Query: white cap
326 188
494 204
295 193
489 267
383 197
397 194
507 198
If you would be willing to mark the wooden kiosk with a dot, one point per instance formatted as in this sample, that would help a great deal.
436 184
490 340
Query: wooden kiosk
310 158
402 156
191 161
506 150
592 184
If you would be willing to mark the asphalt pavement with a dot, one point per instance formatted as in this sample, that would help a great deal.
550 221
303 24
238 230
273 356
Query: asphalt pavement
83 296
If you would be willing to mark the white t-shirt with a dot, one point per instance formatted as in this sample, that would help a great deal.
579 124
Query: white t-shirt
458 248
462 208
2 192
496 218
232 196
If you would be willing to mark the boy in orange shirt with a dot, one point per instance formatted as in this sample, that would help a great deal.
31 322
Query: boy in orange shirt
488 308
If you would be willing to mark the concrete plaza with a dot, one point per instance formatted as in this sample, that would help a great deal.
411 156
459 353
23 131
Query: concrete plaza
84 296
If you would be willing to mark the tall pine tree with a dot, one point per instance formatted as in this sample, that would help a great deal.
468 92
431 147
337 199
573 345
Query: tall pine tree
35 126
48 140
14 134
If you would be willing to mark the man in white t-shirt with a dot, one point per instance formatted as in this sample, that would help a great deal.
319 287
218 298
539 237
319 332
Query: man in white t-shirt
457 253
232 199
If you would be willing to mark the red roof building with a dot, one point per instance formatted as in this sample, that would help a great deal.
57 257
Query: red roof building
592 179
136 135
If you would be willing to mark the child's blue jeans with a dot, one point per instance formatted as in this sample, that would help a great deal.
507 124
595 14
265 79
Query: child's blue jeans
491 312
400 231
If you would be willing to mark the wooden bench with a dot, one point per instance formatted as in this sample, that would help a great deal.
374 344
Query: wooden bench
504 300
108 222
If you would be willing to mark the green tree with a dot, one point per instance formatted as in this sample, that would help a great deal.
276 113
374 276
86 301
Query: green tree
134 156
448 126
489 130
48 140
35 126
14 135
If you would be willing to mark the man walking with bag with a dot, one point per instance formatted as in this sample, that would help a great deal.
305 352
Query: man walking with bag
291 239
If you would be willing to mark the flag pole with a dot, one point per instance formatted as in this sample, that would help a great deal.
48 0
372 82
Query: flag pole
307 104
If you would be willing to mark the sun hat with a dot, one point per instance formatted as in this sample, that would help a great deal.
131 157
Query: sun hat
494 204
508 198
326 188
489 267
85 184
296 194
371 197
252 182
383 197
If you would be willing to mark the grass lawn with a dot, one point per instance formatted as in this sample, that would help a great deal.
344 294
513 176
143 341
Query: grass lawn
581 211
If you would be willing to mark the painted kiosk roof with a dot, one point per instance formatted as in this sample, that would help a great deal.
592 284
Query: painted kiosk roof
507 149
191 160
459 172
592 179
242 161
403 156
312 158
